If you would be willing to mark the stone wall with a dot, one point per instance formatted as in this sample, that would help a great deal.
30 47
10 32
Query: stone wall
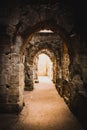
11 77
19 23
29 83
52 45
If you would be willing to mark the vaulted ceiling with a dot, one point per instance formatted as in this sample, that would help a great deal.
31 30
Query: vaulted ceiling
78 7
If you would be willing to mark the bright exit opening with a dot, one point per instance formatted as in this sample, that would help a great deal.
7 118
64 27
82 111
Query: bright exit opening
45 67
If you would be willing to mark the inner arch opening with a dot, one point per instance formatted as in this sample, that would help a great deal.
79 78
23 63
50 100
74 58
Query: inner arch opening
45 67
50 43
46 39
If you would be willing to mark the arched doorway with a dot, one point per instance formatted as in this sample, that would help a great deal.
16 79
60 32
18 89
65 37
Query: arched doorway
16 33
35 48
50 61
59 36
18 50
45 66
52 45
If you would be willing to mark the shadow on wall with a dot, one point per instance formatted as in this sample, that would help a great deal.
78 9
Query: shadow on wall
75 99
79 108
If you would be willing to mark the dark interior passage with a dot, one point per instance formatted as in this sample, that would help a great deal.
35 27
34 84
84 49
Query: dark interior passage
44 110
58 29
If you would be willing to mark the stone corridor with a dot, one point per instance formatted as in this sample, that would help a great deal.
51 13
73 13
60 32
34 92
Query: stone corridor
28 29
44 110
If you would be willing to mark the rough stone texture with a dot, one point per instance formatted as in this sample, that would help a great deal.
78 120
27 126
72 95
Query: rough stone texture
35 69
12 82
65 66
28 76
19 21
50 44
11 78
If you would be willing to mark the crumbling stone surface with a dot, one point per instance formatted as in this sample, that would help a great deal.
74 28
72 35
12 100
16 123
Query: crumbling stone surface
50 44
29 83
18 26
11 78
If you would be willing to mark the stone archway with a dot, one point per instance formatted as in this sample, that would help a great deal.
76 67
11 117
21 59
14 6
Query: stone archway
41 47
53 59
46 43
15 38
18 71
44 67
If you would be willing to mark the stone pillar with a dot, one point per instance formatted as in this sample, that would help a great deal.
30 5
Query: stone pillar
54 71
35 70
65 66
11 79
29 84
11 82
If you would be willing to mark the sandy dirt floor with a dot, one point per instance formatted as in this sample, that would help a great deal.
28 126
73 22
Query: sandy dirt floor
44 110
